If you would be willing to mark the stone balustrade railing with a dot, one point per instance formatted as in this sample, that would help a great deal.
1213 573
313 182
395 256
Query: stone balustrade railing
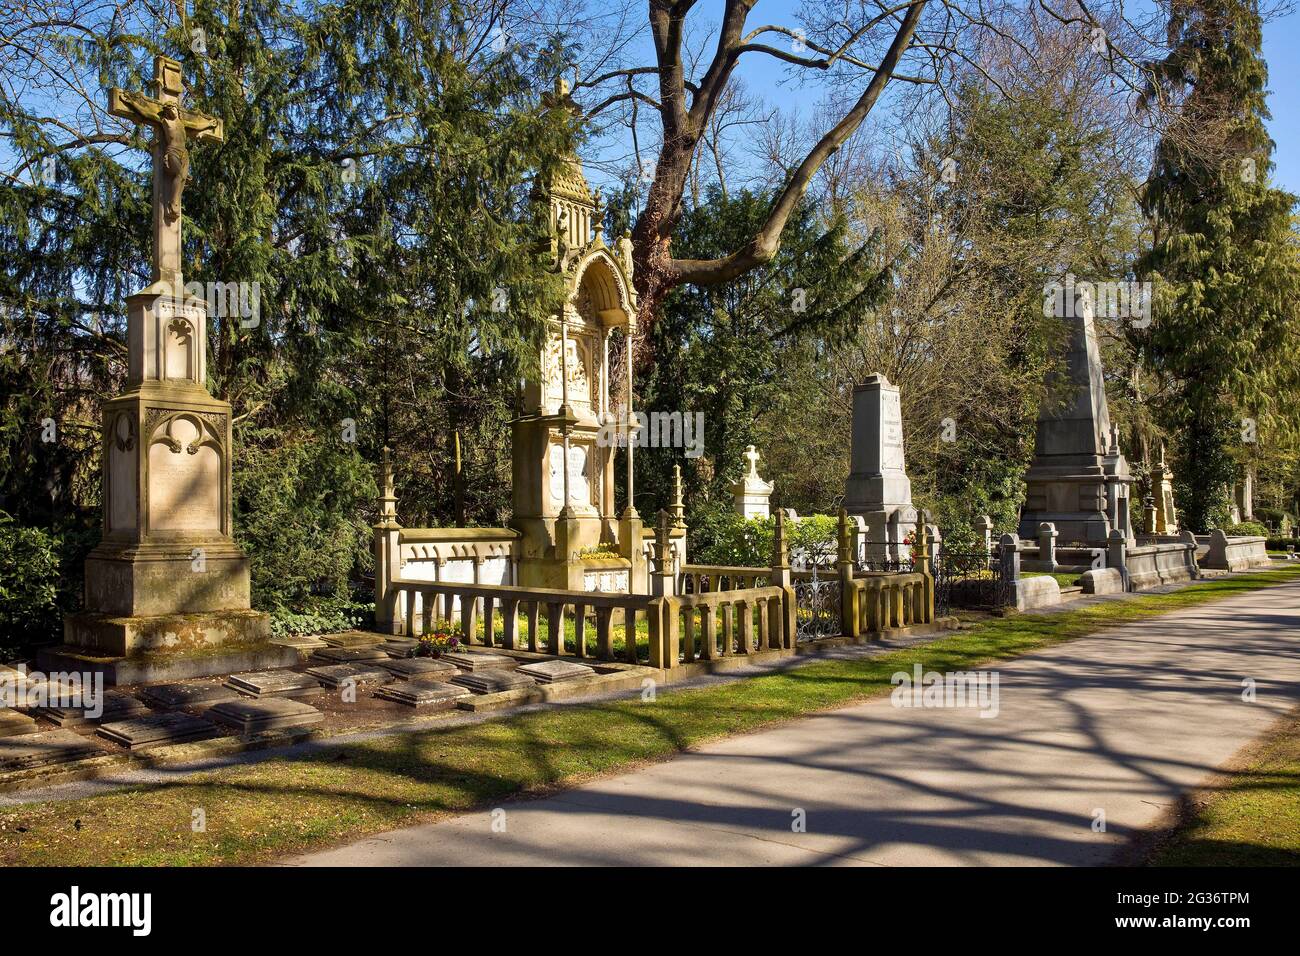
714 624
680 628
701 578
468 605
877 601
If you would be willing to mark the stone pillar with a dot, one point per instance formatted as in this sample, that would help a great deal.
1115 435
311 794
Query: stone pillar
1047 535
1149 515
846 557
781 578
1117 554
921 560
984 527
1010 557
878 488
678 505
387 547
664 580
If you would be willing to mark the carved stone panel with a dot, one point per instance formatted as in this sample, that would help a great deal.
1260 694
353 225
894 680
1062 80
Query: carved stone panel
185 476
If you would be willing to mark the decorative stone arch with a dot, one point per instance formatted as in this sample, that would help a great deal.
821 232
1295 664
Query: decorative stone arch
599 277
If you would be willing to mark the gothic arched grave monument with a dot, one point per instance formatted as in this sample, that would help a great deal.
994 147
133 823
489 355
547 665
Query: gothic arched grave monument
167 589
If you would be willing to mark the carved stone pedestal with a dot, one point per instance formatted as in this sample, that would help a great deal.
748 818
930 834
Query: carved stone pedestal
167 581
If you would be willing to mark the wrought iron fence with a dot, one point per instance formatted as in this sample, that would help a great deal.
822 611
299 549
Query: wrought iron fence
817 592
969 578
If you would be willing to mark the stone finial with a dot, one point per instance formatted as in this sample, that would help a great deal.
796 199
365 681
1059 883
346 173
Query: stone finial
921 550
388 494
678 506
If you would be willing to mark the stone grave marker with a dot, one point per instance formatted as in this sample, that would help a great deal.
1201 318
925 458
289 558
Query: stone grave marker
299 642
13 724
260 716
155 730
353 639
493 681
425 693
420 667
274 684
550 672
42 749
470 661
117 705
333 675
182 696
349 655
399 648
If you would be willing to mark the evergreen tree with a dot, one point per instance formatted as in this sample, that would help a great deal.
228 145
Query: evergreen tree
1225 333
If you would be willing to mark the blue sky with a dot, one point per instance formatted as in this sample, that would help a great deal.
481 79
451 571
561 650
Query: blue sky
1281 39
1281 43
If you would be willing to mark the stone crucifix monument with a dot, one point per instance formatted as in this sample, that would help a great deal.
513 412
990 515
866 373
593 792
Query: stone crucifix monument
167 589
878 489
751 493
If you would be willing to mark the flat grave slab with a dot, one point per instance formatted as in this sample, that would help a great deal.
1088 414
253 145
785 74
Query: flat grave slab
349 655
271 713
425 693
12 723
47 747
274 684
473 661
12 676
117 705
299 642
413 667
182 696
493 681
333 675
153 730
399 649
551 672
352 639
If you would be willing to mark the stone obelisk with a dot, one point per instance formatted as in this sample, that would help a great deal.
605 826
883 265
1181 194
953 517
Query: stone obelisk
878 489
167 589
1078 480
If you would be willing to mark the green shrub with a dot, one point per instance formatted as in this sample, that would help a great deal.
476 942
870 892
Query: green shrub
1246 529
33 592
718 535
322 617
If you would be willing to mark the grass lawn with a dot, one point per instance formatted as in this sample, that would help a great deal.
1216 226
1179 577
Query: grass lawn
1251 817
286 804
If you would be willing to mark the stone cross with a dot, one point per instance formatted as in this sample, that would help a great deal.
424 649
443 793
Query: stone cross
173 127
752 457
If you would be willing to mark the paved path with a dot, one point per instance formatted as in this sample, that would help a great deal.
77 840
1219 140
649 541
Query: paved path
1120 723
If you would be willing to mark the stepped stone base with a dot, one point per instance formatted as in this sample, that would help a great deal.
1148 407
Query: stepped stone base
151 667
110 635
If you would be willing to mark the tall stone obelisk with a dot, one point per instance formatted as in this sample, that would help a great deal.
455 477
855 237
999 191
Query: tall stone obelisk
878 489
1078 480
167 582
